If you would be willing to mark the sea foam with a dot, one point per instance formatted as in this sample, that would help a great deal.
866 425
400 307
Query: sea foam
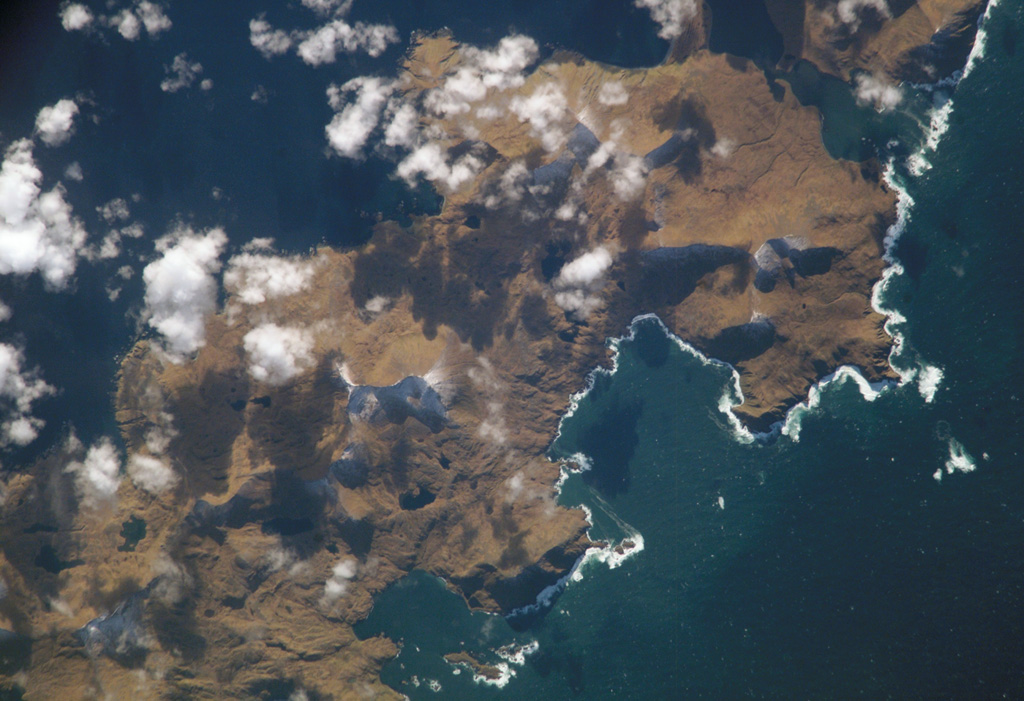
918 163
959 460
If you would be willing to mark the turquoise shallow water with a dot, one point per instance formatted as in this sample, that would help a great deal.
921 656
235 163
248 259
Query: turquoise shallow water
836 565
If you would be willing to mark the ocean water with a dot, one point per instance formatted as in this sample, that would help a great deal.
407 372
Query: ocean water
872 549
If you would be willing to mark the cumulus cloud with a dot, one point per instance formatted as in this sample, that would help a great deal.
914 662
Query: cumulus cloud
325 43
579 282
724 147
268 41
115 210
545 110
877 91
628 176
672 15
20 388
485 379
180 74
355 120
328 7
337 584
322 45
151 474
612 93
110 247
127 24
153 17
75 16
254 277
130 21
851 12
5 312
171 581
38 231
74 172
431 162
180 288
56 124
96 477
500 68
402 129
278 353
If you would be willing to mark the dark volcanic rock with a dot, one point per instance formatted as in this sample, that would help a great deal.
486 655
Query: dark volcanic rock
281 501
666 153
947 51
738 343
583 143
552 180
670 274
351 469
813 261
411 397
120 635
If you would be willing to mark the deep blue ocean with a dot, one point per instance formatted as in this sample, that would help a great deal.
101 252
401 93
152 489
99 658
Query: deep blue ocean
829 561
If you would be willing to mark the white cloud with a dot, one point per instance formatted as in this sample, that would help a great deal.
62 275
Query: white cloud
153 17
278 353
37 230
322 45
612 93
180 74
510 187
628 176
110 247
158 438
401 131
127 24
56 124
5 312
268 41
130 22
75 16
724 147
114 210
254 278
850 12
352 125
20 388
337 584
579 282
877 91
180 289
431 162
151 474
481 70
74 172
377 304
544 109
586 269
672 15
171 580
485 379
96 477
329 7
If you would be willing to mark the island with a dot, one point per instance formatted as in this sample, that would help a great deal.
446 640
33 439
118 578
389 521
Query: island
393 409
